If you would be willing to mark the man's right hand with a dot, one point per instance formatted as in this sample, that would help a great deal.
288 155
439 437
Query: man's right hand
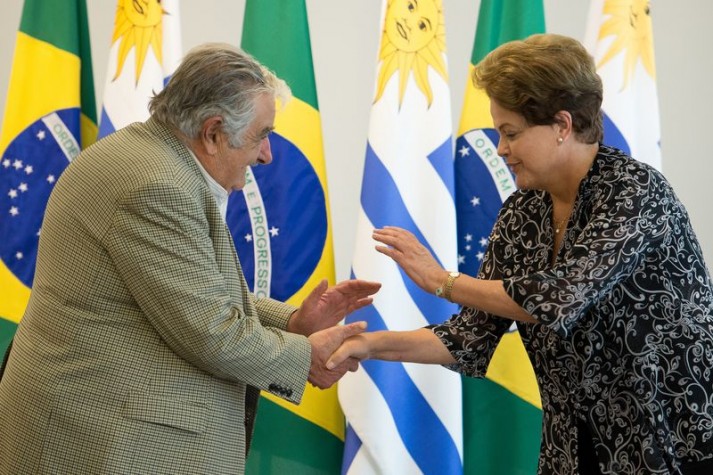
324 343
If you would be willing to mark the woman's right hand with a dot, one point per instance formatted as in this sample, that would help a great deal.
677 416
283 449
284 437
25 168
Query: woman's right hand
356 347
412 256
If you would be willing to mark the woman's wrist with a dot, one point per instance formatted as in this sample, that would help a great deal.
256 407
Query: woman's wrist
445 287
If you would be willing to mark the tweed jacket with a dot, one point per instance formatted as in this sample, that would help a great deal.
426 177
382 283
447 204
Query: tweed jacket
141 345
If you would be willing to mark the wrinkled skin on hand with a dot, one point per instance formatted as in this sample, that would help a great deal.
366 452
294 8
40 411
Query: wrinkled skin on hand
354 348
324 343
326 306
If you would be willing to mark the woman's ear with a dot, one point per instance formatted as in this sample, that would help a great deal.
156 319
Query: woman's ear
563 121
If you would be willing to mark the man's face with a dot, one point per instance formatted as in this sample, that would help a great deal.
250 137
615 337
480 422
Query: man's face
232 163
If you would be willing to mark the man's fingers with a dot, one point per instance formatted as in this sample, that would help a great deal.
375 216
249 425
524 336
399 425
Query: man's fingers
359 304
318 290
357 287
352 364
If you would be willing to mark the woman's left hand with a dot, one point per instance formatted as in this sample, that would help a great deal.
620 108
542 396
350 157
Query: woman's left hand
412 256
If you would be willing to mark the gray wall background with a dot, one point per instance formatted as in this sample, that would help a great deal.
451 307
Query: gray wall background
345 36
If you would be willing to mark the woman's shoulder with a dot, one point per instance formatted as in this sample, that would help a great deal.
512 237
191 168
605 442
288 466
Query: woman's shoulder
612 161
616 169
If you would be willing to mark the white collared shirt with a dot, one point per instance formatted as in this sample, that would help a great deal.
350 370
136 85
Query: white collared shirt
219 193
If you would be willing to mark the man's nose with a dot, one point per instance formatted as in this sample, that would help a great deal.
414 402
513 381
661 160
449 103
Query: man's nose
265 151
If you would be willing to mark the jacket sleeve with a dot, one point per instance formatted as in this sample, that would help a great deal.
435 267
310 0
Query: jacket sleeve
160 243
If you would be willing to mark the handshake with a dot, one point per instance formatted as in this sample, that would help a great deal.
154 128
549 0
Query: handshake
330 354
317 319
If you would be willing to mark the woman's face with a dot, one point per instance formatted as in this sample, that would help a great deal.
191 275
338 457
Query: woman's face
529 150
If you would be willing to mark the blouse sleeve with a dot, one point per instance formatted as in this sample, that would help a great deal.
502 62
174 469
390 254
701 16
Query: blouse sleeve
472 335
628 220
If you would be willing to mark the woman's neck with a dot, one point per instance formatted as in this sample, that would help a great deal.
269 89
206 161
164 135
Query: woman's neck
576 165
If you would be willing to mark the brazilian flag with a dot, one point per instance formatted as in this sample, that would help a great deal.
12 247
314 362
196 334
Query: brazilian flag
502 417
281 228
50 115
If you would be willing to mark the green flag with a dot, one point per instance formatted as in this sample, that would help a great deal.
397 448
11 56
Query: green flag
288 236
502 415
50 115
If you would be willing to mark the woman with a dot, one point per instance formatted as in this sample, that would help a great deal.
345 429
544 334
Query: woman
595 259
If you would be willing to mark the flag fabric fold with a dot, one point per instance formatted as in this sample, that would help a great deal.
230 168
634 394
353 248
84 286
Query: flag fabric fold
145 50
508 397
281 228
406 418
620 37
50 115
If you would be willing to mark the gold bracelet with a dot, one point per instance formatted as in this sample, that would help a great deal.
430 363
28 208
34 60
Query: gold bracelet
447 287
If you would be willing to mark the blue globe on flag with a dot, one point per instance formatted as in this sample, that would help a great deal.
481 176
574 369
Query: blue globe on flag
29 168
279 232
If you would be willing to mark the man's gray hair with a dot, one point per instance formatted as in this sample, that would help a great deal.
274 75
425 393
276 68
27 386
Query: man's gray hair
216 79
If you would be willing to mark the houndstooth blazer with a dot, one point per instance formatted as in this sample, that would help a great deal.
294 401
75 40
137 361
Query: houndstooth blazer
141 344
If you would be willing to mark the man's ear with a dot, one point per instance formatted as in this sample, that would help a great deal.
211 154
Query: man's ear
210 134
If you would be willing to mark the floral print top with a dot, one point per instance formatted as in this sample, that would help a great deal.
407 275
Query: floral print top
624 339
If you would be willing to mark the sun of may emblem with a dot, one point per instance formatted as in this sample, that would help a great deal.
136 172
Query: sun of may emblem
414 38
630 24
138 25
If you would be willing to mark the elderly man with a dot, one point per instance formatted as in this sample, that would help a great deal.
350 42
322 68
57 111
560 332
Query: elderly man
142 349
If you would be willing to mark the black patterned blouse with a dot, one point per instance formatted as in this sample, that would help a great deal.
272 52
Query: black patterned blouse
624 339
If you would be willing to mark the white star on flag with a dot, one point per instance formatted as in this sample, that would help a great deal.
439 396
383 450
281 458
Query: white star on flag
475 201
274 231
464 151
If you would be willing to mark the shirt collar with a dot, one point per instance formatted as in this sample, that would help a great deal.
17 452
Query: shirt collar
219 193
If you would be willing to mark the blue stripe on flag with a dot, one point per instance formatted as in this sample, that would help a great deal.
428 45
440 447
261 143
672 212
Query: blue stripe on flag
105 125
352 444
613 136
434 309
412 414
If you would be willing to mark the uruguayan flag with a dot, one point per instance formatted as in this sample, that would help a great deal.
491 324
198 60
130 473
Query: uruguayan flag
145 50
406 418
620 37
